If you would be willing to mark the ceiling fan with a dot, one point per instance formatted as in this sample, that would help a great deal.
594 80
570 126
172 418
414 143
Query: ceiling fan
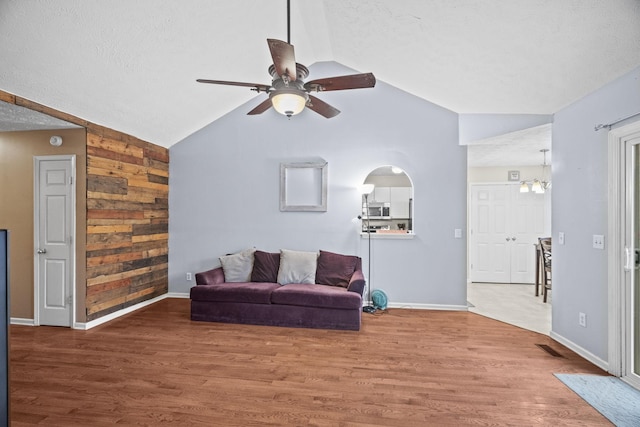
288 93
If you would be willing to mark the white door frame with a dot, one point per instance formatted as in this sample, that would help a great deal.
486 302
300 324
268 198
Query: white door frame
36 235
619 254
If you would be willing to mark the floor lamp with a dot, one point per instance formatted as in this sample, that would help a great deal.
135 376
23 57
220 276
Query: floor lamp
365 190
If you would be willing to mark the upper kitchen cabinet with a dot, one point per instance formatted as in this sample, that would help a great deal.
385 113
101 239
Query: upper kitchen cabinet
381 194
400 199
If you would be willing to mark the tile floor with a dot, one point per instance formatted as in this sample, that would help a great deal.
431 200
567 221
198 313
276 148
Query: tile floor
510 303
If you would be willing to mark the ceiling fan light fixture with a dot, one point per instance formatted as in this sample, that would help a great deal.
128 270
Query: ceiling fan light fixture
289 102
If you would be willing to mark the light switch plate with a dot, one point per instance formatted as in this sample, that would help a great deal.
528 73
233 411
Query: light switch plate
457 233
561 237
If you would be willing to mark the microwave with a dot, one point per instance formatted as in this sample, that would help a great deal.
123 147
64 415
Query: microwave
378 210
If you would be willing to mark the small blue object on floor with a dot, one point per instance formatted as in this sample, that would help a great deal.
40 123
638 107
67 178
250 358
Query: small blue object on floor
610 396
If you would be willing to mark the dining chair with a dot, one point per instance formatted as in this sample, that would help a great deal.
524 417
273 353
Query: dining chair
545 266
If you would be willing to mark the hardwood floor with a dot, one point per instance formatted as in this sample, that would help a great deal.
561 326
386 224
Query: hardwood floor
406 367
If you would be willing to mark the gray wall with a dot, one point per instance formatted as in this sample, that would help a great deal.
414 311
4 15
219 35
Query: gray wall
579 209
224 188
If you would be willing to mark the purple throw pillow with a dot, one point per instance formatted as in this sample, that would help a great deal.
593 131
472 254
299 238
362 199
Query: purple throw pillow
265 267
335 269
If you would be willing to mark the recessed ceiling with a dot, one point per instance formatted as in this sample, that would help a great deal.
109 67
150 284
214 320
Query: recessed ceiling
132 66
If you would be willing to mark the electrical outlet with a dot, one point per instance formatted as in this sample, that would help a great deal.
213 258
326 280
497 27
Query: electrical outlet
582 320
189 277
598 241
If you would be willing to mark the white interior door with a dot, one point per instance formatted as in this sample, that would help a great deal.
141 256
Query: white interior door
489 252
54 236
504 227
529 221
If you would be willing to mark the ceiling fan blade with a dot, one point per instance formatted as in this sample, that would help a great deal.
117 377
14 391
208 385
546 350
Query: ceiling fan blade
353 81
260 108
258 86
284 58
322 107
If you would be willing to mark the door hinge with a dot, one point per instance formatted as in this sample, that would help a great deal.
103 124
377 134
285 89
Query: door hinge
70 299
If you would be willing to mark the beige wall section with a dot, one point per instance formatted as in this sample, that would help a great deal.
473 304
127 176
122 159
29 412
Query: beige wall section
499 174
17 150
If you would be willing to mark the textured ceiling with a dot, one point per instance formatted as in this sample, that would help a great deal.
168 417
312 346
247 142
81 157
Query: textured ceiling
520 148
132 66
16 118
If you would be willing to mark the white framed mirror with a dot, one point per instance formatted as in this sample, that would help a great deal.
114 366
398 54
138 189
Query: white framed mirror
303 186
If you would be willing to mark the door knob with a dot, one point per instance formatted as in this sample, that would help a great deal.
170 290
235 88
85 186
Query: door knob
508 239
513 238
42 251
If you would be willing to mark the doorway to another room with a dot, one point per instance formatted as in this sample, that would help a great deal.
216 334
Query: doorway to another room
509 210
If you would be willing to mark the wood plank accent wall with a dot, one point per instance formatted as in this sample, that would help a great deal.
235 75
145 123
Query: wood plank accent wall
127 243
127 222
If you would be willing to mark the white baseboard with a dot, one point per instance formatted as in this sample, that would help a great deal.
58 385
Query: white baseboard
580 351
115 315
108 317
23 322
177 295
428 306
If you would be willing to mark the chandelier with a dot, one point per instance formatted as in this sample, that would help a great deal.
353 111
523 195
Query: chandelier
538 186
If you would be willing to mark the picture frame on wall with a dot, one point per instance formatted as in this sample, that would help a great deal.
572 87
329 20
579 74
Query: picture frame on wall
303 187
513 175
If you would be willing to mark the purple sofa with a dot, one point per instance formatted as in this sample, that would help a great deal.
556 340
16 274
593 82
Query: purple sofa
333 302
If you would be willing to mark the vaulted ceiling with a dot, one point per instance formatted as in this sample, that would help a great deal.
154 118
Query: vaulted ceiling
132 65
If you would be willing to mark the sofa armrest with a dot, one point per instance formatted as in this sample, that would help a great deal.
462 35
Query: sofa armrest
356 284
211 277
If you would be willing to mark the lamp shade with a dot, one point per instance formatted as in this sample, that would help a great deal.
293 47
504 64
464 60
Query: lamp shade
366 188
524 187
536 187
289 102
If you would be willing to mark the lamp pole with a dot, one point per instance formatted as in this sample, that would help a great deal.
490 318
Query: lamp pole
368 308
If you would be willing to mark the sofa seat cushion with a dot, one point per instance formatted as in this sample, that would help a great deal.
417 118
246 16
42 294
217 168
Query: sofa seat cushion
250 292
321 296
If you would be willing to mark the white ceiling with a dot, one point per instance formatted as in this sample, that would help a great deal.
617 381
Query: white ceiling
132 66
521 148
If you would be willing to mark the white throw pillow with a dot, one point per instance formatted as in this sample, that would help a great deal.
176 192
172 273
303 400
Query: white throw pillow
238 267
297 267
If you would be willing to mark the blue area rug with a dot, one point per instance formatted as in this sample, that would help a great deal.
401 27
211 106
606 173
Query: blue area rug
610 396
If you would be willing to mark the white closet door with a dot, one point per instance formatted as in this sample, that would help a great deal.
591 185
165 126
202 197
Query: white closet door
504 227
